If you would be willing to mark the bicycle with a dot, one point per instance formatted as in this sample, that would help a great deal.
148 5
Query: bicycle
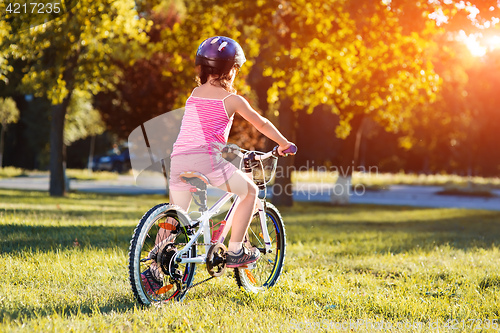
166 238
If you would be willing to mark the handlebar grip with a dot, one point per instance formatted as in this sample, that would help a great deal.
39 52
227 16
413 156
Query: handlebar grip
290 150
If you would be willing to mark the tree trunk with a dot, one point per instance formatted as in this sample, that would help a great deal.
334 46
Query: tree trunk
58 182
341 192
2 135
349 156
282 189
57 173
91 153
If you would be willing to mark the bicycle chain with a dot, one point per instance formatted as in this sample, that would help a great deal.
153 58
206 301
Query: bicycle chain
198 283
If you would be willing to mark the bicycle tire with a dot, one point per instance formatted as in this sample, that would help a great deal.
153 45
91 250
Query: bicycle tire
148 238
270 265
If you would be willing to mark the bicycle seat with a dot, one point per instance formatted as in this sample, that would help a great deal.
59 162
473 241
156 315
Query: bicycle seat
197 179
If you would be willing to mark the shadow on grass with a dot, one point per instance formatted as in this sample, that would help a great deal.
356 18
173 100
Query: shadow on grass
359 229
65 221
92 215
17 238
15 195
119 305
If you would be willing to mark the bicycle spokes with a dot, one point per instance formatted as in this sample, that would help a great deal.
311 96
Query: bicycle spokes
270 265
250 276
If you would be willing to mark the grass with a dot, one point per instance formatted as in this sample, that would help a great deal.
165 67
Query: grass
84 174
9 172
65 269
80 174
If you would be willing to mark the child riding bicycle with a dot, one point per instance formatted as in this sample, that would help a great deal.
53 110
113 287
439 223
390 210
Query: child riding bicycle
205 128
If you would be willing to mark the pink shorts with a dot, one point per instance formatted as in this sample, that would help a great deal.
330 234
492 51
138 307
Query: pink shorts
214 167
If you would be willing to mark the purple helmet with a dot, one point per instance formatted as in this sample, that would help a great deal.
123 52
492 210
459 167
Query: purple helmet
220 53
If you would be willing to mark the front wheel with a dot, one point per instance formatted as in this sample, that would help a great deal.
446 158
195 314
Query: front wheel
269 267
160 234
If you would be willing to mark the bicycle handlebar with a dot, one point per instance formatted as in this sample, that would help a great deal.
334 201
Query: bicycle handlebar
292 150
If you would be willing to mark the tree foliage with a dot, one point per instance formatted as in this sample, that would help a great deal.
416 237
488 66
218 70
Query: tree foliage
148 87
361 59
394 62
78 50
319 55
9 113
82 120
445 132
5 68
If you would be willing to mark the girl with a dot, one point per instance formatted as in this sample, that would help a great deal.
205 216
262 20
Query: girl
204 131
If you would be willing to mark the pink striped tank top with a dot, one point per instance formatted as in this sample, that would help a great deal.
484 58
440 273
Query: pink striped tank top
205 125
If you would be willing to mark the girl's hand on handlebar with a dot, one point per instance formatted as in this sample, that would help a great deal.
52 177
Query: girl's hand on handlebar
288 149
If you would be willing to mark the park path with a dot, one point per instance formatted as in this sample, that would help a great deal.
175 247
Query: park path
401 195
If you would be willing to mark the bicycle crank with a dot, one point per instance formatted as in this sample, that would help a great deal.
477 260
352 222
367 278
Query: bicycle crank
216 260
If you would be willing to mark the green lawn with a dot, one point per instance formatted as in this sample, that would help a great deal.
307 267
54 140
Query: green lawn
79 174
65 269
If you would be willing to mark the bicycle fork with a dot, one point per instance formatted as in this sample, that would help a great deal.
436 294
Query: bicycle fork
260 208
263 226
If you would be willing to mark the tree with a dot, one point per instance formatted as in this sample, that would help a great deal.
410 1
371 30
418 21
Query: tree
77 50
147 87
374 60
356 60
445 132
434 127
83 121
8 114
5 31
317 55
482 125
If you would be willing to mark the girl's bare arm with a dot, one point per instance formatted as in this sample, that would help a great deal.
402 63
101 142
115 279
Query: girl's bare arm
262 124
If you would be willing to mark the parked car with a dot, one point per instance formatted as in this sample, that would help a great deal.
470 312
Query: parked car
114 160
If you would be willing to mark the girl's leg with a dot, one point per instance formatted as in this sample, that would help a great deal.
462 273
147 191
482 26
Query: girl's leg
181 199
247 192
229 221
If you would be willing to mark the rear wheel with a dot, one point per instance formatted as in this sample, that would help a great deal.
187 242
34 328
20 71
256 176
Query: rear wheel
160 234
269 267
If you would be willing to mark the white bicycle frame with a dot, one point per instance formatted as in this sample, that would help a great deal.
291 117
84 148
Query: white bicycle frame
204 228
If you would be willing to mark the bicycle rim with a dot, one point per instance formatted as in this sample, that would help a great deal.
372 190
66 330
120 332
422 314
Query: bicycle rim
153 247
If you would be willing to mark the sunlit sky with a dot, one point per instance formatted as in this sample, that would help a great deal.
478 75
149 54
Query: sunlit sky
476 43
